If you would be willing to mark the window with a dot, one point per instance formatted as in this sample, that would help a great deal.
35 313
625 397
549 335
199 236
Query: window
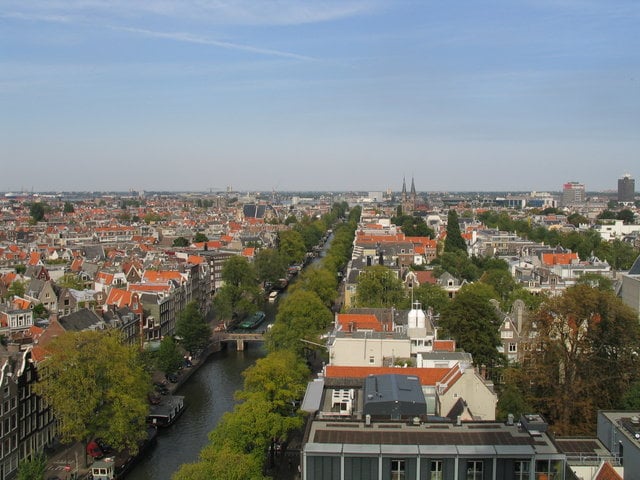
474 470
506 334
436 470
521 470
372 359
513 347
397 470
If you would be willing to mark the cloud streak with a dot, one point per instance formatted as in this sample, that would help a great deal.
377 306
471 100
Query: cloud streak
190 38
236 12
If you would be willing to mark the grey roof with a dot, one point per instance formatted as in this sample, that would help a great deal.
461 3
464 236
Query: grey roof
313 396
635 268
84 319
394 395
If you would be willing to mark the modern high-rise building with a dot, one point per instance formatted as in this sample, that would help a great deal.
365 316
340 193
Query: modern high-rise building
573 193
626 188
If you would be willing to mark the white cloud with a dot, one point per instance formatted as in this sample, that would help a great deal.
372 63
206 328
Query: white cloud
227 12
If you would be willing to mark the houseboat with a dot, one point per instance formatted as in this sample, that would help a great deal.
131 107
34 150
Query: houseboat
167 411
116 466
253 321
273 296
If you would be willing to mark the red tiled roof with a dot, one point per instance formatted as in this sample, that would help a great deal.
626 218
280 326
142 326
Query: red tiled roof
427 376
359 322
444 345
607 472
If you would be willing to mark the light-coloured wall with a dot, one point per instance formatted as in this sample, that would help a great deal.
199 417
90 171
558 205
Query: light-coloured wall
356 352
630 292
481 401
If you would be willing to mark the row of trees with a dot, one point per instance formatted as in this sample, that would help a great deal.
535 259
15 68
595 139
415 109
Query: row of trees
267 411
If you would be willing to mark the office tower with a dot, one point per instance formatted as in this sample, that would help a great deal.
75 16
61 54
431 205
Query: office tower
626 188
573 193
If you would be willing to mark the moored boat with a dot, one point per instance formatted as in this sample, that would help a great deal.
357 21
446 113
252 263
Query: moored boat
167 411
116 466
253 321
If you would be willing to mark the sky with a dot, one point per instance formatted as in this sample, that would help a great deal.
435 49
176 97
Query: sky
491 95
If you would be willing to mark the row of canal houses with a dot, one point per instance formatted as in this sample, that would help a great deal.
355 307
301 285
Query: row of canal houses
127 275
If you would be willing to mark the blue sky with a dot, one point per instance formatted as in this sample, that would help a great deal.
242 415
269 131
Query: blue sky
318 95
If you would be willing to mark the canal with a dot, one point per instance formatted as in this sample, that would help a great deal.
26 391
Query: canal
209 393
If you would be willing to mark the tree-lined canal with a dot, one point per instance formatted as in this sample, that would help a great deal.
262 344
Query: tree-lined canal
209 394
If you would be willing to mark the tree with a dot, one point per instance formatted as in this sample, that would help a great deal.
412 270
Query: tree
502 282
301 316
192 328
37 211
576 219
200 238
584 358
239 294
319 280
454 240
68 207
471 319
433 296
291 245
458 264
40 311
626 215
96 387
222 462
33 468
378 286
70 280
168 357
279 378
413 226
180 242
270 265
17 289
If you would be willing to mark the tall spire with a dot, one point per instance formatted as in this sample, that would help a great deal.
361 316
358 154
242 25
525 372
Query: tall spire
413 188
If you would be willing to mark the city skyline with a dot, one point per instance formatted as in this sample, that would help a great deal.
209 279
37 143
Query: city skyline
334 96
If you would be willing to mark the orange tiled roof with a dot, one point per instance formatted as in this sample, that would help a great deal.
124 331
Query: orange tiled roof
162 276
444 345
427 376
359 322
558 258
607 472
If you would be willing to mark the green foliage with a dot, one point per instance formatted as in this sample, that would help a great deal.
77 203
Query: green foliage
501 280
168 358
626 215
40 311
454 241
280 378
595 281
585 359
20 269
576 219
200 238
631 398
378 286
433 296
620 255
291 245
301 315
270 265
96 386
180 242
152 217
458 264
192 328
238 271
473 322
37 211
68 207
70 280
222 463
510 397
413 226
33 468
319 280
17 288
239 295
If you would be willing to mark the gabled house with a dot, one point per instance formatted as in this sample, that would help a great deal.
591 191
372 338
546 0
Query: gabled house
42 292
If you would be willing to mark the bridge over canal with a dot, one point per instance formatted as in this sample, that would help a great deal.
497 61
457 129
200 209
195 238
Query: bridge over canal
241 338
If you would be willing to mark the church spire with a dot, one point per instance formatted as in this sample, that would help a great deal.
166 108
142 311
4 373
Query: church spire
413 189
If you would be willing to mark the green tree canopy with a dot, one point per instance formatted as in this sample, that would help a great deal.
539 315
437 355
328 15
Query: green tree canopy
180 242
70 280
454 241
96 386
472 320
413 226
585 357
319 280
37 211
301 316
168 358
270 265
200 237
17 288
33 468
433 296
68 207
378 286
192 328
291 245
458 264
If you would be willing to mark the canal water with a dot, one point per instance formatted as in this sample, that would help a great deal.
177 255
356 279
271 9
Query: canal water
209 393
